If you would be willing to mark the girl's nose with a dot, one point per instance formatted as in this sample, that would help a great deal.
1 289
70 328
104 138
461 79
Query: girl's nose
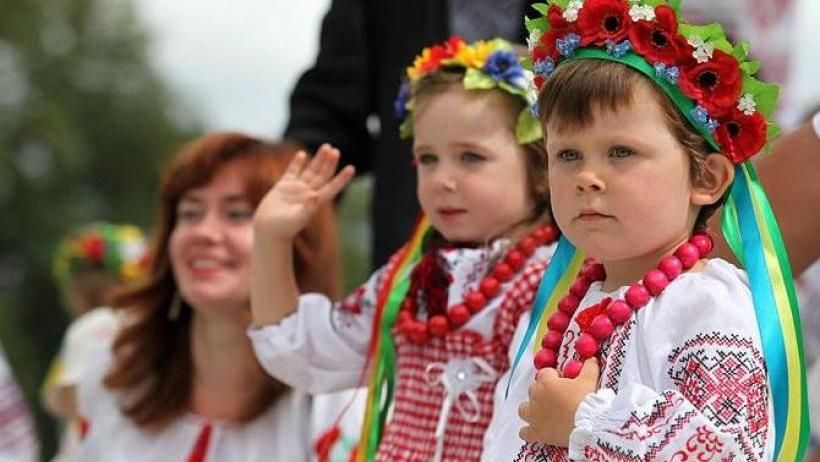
588 180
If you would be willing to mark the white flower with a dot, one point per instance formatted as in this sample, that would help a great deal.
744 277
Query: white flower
703 50
638 12
747 104
572 9
533 39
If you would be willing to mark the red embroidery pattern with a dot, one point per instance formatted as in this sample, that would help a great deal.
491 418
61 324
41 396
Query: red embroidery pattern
724 376
704 445
409 436
720 382
612 362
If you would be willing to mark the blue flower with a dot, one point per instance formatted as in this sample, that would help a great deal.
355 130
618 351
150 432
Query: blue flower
567 44
702 118
400 104
544 67
618 49
670 73
504 65
534 110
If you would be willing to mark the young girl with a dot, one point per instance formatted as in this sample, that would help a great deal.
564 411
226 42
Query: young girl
451 299
655 352
89 263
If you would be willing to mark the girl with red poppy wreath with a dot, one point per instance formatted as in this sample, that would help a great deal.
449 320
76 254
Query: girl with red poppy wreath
648 349
438 320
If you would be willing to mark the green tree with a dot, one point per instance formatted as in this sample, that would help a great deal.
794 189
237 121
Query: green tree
85 122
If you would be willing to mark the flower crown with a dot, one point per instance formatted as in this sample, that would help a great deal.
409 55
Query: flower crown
487 65
116 249
707 78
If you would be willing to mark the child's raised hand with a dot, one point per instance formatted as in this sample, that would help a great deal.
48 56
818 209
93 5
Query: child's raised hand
550 411
291 202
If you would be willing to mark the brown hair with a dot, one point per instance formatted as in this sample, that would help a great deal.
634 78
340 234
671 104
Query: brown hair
440 81
152 355
87 289
570 94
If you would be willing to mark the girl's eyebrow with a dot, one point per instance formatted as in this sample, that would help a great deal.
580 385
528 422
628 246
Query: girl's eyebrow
421 148
468 145
189 197
234 198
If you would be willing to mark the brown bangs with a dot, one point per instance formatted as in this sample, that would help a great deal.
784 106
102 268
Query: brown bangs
572 93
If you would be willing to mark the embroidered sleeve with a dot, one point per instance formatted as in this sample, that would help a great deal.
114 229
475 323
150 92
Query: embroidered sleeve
716 408
322 346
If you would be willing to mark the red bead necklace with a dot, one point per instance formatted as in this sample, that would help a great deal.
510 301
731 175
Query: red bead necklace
441 320
599 321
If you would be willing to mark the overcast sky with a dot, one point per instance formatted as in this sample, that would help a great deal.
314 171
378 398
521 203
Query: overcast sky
235 62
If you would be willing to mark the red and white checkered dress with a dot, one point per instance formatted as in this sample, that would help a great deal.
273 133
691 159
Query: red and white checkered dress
410 433
323 348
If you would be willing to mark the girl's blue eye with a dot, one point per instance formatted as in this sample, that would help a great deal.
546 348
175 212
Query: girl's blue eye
568 155
427 159
620 152
471 157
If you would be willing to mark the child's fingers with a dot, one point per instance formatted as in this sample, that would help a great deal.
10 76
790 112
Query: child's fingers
590 371
327 168
296 165
527 434
525 411
330 189
547 374
311 174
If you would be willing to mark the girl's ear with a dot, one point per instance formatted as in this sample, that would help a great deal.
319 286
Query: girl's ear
716 177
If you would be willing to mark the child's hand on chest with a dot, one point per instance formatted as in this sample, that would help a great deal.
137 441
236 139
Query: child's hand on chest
553 402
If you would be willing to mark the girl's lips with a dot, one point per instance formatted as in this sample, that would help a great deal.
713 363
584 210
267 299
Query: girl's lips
592 216
450 212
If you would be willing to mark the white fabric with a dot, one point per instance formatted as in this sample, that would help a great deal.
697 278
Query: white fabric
815 121
814 402
18 442
86 335
320 348
281 433
715 300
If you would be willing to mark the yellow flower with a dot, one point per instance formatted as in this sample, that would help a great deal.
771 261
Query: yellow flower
130 271
417 69
475 56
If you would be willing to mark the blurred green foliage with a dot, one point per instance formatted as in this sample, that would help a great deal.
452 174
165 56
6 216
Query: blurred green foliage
85 123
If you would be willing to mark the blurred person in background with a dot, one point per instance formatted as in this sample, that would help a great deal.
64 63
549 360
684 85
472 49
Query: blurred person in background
18 441
808 291
88 264
181 382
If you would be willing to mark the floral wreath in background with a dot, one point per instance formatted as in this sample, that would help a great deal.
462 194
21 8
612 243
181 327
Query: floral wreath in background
486 65
119 250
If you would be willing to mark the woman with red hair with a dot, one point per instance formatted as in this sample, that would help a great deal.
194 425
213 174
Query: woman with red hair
181 382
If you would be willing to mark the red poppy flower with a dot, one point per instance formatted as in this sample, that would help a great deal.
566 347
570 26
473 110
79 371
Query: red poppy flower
559 27
658 41
715 84
741 136
539 81
94 249
602 20
555 16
